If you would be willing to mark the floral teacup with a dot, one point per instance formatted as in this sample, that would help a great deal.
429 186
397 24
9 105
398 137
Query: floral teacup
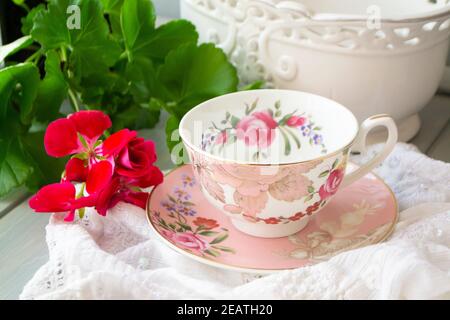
271 158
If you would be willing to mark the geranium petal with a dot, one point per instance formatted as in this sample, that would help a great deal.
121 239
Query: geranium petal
90 123
76 170
150 149
61 138
70 216
152 178
99 176
136 198
117 141
54 197
107 197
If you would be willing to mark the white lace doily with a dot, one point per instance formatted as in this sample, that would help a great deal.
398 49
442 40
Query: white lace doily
117 257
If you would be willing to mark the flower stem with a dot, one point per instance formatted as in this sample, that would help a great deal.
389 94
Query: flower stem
35 56
73 100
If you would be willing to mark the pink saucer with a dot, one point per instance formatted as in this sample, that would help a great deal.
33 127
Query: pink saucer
362 214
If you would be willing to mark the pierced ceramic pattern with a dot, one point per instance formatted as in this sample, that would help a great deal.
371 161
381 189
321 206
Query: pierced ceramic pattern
363 213
354 52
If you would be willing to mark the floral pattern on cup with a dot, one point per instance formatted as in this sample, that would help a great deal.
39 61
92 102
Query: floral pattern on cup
253 185
199 235
259 128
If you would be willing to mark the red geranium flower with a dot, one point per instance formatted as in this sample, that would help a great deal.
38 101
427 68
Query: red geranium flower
135 163
59 197
115 192
111 171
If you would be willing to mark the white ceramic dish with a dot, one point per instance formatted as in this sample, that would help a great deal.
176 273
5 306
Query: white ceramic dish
337 49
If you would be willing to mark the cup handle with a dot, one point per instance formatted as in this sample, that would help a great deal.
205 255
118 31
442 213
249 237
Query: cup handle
360 141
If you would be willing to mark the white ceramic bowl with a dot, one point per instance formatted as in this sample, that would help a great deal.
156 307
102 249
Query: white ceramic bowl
373 56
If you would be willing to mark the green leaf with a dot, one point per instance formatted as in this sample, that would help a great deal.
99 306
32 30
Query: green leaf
11 48
144 84
224 249
324 173
28 20
136 117
184 226
112 6
137 19
335 163
15 166
18 89
166 38
194 74
234 121
311 189
208 233
213 253
292 134
141 37
253 86
91 46
308 198
287 144
278 104
219 238
46 169
52 90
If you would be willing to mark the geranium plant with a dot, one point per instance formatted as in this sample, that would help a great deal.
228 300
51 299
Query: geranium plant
104 171
98 54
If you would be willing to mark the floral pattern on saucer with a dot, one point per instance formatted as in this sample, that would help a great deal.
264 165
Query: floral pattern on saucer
201 236
259 128
361 214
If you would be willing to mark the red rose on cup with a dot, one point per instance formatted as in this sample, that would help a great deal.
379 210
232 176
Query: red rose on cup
332 184
295 121
257 129
222 137
206 223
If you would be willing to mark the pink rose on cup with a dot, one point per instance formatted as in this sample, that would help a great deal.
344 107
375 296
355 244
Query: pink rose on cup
296 121
332 184
188 240
257 129
222 137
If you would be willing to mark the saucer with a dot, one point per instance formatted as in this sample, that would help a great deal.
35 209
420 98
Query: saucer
361 214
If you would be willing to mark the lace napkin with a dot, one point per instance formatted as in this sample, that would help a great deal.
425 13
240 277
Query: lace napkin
117 257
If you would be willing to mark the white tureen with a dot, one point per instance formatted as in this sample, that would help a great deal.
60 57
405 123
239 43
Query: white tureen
373 56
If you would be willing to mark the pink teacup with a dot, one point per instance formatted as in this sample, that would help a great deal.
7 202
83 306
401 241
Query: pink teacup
270 159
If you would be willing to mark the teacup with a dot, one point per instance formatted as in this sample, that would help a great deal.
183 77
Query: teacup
270 159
